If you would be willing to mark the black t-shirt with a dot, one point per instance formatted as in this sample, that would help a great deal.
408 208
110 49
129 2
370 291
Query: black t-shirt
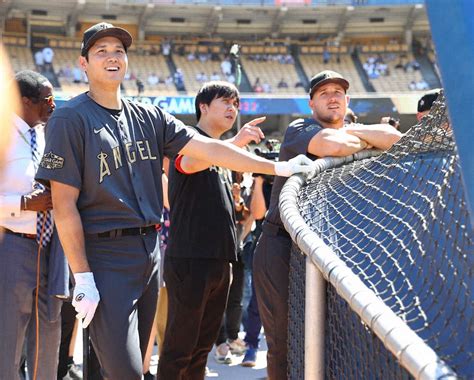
202 216
297 137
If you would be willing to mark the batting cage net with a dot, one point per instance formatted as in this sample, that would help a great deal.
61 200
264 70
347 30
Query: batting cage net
400 224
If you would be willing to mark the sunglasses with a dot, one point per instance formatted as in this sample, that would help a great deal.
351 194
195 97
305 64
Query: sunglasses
49 100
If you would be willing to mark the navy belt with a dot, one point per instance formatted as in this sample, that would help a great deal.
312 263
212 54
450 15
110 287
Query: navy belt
127 232
20 234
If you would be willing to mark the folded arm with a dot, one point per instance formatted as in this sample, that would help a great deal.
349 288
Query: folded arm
381 136
335 143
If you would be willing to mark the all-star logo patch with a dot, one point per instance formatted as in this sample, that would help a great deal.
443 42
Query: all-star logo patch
52 161
80 296
309 128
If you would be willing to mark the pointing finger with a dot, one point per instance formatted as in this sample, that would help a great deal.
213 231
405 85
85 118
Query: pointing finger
257 121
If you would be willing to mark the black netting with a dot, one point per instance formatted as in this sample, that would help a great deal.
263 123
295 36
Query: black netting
400 222
352 351
296 315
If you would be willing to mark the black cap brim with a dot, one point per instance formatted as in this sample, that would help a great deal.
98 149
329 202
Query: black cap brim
341 81
116 32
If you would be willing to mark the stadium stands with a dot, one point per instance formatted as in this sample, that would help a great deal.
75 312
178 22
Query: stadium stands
282 44
140 67
270 71
399 79
20 57
191 69
313 63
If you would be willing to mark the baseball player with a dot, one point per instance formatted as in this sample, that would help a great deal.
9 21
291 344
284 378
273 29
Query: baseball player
103 161
323 134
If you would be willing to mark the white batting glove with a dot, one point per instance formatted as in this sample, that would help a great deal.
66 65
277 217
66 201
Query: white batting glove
298 164
85 297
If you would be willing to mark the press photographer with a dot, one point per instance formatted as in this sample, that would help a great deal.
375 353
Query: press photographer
270 152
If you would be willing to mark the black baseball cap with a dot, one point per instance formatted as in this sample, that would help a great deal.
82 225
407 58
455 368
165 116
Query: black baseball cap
104 29
426 101
327 76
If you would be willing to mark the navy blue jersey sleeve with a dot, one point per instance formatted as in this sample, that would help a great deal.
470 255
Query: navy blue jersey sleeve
297 138
64 152
176 136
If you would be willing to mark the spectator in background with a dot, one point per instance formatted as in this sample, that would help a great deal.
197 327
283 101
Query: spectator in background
66 73
130 75
412 85
140 86
39 60
422 85
153 79
257 86
326 56
215 76
282 83
179 79
228 341
76 75
201 77
169 81
154 50
289 60
226 67
426 102
166 47
260 201
299 84
191 57
266 87
203 58
48 55
400 64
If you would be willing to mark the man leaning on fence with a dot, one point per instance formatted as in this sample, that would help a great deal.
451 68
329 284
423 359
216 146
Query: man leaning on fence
323 134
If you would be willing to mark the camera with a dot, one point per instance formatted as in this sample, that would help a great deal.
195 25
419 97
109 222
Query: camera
273 156
394 122
271 152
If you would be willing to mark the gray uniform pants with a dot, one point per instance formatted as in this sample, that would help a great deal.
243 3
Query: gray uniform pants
18 257
271 268
126 274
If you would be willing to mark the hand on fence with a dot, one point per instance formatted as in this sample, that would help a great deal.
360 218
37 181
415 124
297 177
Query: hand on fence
298 164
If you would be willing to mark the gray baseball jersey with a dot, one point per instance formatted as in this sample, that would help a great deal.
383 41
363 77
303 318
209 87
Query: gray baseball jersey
114 160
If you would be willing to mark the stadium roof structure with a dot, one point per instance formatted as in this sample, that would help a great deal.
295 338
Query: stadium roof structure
275 18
